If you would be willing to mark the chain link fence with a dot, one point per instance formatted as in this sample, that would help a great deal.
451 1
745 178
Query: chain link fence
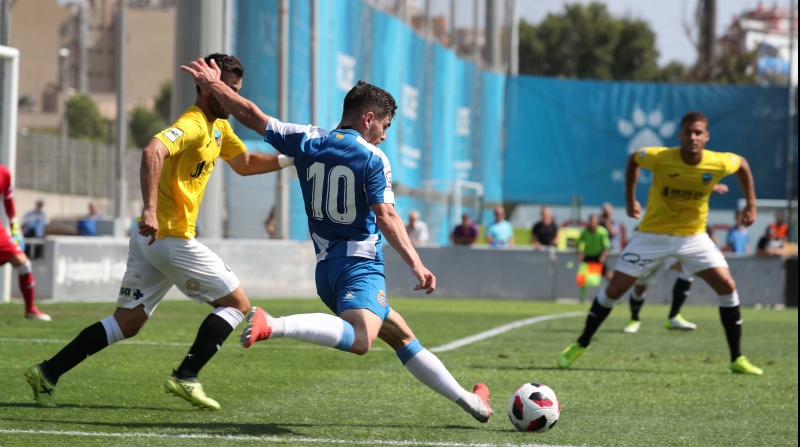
48 163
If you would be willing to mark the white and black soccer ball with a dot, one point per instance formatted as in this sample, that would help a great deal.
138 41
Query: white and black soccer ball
533 407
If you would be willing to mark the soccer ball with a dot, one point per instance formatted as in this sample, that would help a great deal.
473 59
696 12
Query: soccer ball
533 407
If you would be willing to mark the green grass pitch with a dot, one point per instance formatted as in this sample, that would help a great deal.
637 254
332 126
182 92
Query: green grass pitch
654 388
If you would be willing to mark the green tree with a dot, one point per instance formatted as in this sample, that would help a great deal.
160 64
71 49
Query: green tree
164 102
144 124
84 119
587 42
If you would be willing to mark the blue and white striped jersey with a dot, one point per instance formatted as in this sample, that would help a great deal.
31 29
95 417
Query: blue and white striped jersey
341 176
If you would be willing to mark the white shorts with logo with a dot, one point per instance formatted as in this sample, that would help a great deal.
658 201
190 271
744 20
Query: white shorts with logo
186 263
646 252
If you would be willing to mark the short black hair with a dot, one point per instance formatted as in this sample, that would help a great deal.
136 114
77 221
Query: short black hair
365 97
693 117
226 63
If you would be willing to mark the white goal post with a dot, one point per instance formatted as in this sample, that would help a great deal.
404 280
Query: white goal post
9 58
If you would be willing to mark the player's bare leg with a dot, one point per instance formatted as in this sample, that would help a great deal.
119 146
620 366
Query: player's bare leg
719 279
428 369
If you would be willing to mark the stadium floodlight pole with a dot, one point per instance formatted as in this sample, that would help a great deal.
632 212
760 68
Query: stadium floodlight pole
121 193
282 190
792 116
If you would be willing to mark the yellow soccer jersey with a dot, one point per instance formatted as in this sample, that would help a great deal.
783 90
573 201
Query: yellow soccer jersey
678 200
194 145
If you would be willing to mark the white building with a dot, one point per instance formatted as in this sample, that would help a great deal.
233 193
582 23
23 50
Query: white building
765 30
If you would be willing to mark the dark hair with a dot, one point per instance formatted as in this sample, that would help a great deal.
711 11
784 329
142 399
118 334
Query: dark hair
364 97
226 63
693 117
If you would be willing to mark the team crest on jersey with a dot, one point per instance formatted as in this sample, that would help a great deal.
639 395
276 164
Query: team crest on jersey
381 298
707 177
218 136
173 133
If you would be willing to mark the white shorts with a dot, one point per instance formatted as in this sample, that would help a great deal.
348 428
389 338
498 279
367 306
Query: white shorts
668 263
646 252
186 263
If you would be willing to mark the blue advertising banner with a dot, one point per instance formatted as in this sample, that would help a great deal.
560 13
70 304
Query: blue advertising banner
570 138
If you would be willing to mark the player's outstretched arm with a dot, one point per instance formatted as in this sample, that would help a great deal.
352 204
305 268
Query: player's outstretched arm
208 78
248 163
632 206
745 176
394 230
153 157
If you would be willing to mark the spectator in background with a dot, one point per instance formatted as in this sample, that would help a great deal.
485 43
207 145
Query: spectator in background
780 226
87 226
545 232
593 244
34 221
33 225
500 233
738 237
466 232
417 230
770 244
616 231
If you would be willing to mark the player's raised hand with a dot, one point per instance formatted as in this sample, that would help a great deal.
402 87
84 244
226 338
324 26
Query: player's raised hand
148 225
634 209
203 73
427 281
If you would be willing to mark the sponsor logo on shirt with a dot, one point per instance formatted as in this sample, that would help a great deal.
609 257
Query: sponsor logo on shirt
348 296
173 133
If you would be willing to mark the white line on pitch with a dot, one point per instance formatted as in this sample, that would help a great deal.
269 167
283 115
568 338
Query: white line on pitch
287 439
500 329
446 347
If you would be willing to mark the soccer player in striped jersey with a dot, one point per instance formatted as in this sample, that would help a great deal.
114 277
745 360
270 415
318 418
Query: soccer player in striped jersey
176 166
347 189
674 225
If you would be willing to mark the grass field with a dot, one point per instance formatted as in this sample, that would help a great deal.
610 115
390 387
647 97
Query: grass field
654 388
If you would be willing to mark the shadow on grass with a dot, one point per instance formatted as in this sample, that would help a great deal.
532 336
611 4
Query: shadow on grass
211 428
200 428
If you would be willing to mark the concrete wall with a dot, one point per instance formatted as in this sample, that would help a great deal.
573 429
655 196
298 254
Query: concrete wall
90 268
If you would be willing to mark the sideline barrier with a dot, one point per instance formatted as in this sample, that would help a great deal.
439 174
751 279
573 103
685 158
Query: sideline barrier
90 269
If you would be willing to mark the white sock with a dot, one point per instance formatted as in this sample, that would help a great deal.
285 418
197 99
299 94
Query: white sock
428 369
605 301
320 329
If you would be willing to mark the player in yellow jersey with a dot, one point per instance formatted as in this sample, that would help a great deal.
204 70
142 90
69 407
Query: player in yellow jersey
674 225
175 169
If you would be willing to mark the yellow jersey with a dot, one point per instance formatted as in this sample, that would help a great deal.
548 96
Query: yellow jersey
194 144
677 203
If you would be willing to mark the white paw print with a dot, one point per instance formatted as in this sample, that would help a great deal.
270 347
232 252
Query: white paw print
645 129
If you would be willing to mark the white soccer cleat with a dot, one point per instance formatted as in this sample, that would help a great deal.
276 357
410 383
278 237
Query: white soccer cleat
632 327
679 323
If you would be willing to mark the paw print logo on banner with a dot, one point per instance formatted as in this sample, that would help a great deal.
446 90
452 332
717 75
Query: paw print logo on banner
345 71
645 129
